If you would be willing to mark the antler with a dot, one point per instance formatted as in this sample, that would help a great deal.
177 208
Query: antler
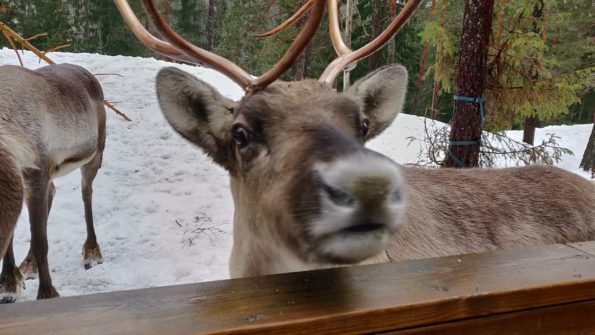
334 30
144 36
179 48
299 13
347 56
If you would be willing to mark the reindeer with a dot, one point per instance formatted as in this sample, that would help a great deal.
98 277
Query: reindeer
52 121
308 194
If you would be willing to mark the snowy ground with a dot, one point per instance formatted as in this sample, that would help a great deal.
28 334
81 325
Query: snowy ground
155 189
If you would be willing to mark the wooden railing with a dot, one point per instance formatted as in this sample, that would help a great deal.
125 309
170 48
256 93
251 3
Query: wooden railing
539 290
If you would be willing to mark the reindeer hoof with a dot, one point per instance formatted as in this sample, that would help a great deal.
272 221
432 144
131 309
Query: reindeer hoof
7 299
29 268
47 293
90 264
91 256
11 286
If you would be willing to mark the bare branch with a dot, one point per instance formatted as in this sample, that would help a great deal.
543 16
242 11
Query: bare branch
14 47
59 47
112 107
36 36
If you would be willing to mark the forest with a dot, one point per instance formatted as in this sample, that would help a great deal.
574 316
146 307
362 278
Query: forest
540 56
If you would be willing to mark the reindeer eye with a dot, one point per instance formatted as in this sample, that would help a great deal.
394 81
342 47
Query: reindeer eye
240 135
365 127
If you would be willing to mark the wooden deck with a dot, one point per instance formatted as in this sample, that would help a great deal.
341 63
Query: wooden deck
540 290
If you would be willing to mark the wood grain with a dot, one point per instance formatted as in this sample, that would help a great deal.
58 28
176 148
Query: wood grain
354 300
577 318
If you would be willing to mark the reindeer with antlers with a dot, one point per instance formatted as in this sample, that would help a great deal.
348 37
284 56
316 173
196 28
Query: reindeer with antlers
308 194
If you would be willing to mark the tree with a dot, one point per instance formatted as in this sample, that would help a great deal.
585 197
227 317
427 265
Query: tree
588 161
528 77
377 27
441 35
532 121
463 149
422 64
302 63
347 38
211 26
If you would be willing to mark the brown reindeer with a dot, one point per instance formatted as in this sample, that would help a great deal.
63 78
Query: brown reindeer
308 194
52 121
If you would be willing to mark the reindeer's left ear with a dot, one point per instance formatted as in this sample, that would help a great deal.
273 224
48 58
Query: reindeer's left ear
381 95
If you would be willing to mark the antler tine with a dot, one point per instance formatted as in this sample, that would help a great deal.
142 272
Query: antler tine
217 62
298 45
144 36
335 31
299 13
336 66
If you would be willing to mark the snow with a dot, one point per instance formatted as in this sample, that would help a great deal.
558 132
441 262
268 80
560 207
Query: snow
163 211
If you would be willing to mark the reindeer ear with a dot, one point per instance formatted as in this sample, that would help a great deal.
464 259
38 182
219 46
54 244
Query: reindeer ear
381 95
197 111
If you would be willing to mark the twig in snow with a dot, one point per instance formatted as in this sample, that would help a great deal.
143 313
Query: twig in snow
191 233
108 74
110 106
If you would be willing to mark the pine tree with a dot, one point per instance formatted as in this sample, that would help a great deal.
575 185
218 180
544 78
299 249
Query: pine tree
532 121
463 150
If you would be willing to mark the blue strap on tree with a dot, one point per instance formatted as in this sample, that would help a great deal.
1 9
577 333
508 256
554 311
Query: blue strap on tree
477 100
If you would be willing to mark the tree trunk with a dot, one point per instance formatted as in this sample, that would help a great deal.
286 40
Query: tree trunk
347 38
390 48
165 7
435 100
588 161
374 59
211 25
465 134
420 75
302 63
422 67
531 122
436 88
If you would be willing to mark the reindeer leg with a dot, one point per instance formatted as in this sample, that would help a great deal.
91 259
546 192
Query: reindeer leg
37 203
11 280
91 253
12 193
29 265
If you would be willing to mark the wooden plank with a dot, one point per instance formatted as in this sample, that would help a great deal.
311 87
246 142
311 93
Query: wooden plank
577 318
336 301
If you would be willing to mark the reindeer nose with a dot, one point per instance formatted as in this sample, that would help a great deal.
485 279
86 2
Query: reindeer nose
338 196
366 180
371 189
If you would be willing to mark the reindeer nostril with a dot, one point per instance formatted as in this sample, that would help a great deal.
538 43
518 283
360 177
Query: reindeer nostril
397 196
337 196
